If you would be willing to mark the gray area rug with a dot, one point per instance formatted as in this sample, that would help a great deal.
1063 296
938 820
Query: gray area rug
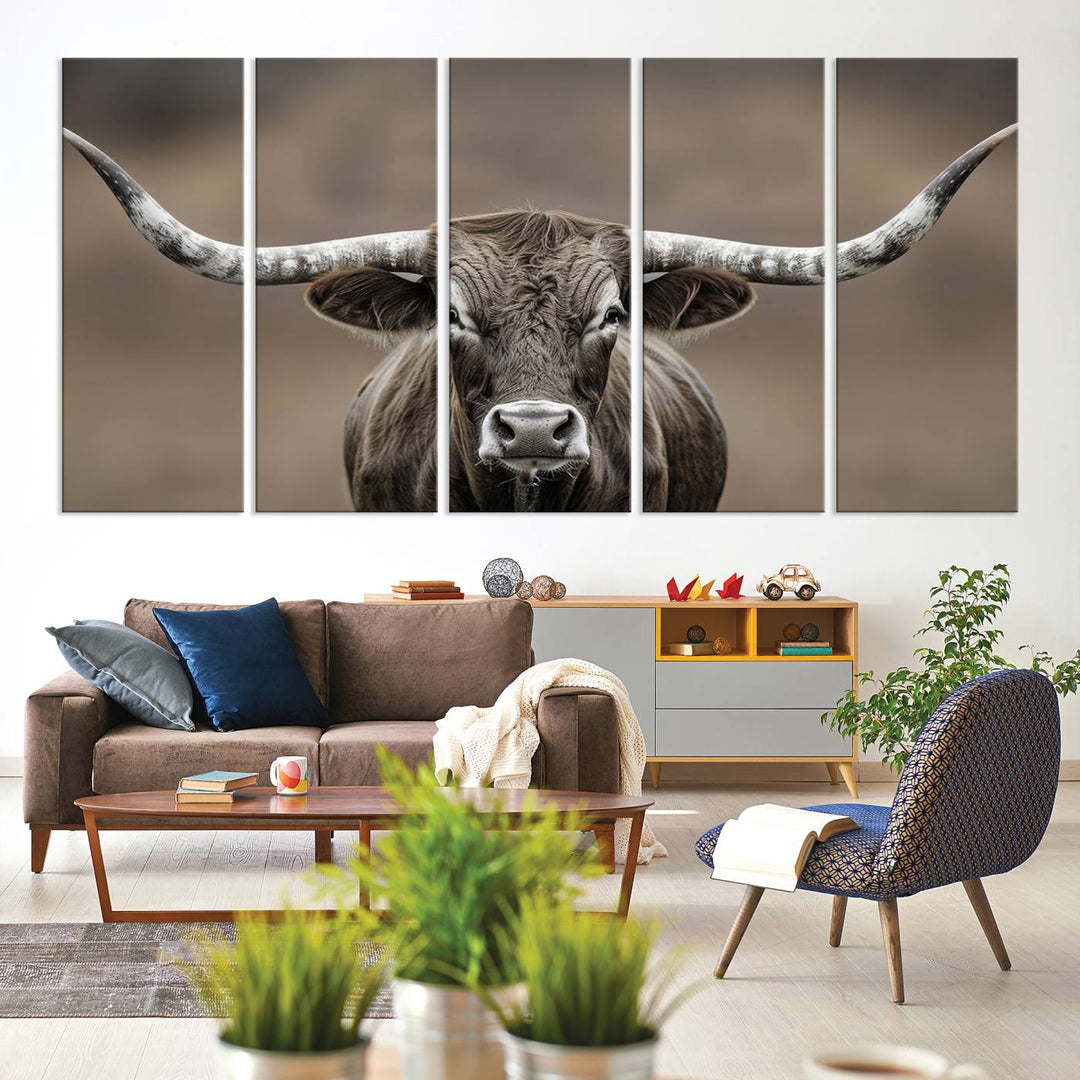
108 969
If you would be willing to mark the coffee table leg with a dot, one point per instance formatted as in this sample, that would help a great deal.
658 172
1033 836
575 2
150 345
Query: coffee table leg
99 867
365 856
322 846
637 822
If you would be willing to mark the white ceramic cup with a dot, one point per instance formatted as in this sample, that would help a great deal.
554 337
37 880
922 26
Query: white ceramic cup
289 775
882 1060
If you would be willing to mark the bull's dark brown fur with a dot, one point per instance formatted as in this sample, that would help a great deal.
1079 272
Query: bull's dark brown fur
529 278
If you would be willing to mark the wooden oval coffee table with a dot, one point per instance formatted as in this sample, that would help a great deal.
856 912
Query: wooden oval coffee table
324 809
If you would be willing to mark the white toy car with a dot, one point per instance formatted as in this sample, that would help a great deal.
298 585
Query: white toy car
791 578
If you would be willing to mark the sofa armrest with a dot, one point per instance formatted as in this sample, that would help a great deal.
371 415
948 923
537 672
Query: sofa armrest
64 719
579 733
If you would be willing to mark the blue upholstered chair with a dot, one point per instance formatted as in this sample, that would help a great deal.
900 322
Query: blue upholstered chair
974 799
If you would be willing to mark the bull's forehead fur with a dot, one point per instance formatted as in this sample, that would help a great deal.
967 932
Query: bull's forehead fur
501 263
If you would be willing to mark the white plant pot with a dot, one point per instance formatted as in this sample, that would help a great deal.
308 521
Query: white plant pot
239 1063
445 1033
528 1060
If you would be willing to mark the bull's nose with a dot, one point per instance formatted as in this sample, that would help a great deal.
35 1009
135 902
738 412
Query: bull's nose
534 435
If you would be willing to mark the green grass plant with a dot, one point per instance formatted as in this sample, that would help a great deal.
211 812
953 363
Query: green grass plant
296 985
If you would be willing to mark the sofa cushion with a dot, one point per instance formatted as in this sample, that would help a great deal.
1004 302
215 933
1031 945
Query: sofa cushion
414 662
347 751
133 757
244 666
147 680
304 619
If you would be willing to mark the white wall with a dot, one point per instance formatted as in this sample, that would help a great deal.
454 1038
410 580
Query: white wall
57 567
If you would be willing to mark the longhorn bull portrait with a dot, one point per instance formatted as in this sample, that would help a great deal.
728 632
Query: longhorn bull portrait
539 345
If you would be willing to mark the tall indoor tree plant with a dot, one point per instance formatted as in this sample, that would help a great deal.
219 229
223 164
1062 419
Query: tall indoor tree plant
964 608
453 880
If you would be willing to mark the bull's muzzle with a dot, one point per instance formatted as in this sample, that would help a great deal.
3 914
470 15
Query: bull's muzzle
533 437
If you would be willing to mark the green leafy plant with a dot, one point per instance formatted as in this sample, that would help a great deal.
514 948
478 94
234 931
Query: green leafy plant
295 986
588 979
453 877
965 605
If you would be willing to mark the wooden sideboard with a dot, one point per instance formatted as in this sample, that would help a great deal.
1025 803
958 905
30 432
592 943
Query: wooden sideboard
748 705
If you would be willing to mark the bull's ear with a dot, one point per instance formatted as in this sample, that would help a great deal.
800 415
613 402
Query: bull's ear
687 303
376 303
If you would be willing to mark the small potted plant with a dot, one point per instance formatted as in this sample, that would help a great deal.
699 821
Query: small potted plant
452 880
293 993
592 1006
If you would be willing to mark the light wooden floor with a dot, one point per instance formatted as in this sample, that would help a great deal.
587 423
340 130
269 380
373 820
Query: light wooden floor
786 992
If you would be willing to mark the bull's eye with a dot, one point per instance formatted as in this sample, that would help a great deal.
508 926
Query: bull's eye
455 318
613 316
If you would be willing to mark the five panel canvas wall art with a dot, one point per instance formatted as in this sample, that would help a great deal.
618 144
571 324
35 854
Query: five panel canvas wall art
540 306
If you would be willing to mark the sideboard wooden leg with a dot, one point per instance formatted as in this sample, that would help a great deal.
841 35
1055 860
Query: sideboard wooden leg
847 771
654 769
834 772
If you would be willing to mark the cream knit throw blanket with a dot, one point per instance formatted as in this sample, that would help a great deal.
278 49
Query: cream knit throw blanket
481 746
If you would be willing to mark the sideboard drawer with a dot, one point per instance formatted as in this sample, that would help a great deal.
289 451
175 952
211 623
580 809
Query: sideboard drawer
746 733
731 684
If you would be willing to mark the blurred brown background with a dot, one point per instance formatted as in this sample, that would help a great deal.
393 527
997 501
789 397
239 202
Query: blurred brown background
733 149
344 147
926 348
153 354
551 134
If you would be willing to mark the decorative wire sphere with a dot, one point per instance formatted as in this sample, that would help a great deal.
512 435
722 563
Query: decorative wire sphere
721 646
501 577
524 590
791 632
810 632
560 591
695 634
543 587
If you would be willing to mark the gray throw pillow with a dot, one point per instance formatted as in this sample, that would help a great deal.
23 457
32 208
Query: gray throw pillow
144 678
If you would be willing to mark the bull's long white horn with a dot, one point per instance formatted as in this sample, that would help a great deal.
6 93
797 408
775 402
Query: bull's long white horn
289 265
769 265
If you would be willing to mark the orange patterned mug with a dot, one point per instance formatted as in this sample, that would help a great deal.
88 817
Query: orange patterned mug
289 775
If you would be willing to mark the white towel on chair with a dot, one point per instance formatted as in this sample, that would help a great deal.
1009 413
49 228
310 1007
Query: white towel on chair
496 745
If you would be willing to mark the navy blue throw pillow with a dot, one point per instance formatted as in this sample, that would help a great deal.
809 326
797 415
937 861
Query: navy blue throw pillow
244 666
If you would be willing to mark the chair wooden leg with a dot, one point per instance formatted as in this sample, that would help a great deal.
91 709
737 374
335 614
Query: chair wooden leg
890 934
836 923
977 895
747 908
39 844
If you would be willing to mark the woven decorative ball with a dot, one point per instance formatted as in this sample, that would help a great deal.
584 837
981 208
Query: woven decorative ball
524 590
695 634
501 577
791 632
810 632
560 591
543 587
721 646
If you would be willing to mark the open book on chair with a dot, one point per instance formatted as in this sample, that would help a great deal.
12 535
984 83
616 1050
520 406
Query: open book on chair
768 845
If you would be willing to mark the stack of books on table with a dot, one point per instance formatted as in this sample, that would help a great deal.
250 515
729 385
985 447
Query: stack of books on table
213 787
804 648
427 590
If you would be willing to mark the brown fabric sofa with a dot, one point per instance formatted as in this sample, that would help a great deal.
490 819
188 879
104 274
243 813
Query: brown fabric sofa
385 672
